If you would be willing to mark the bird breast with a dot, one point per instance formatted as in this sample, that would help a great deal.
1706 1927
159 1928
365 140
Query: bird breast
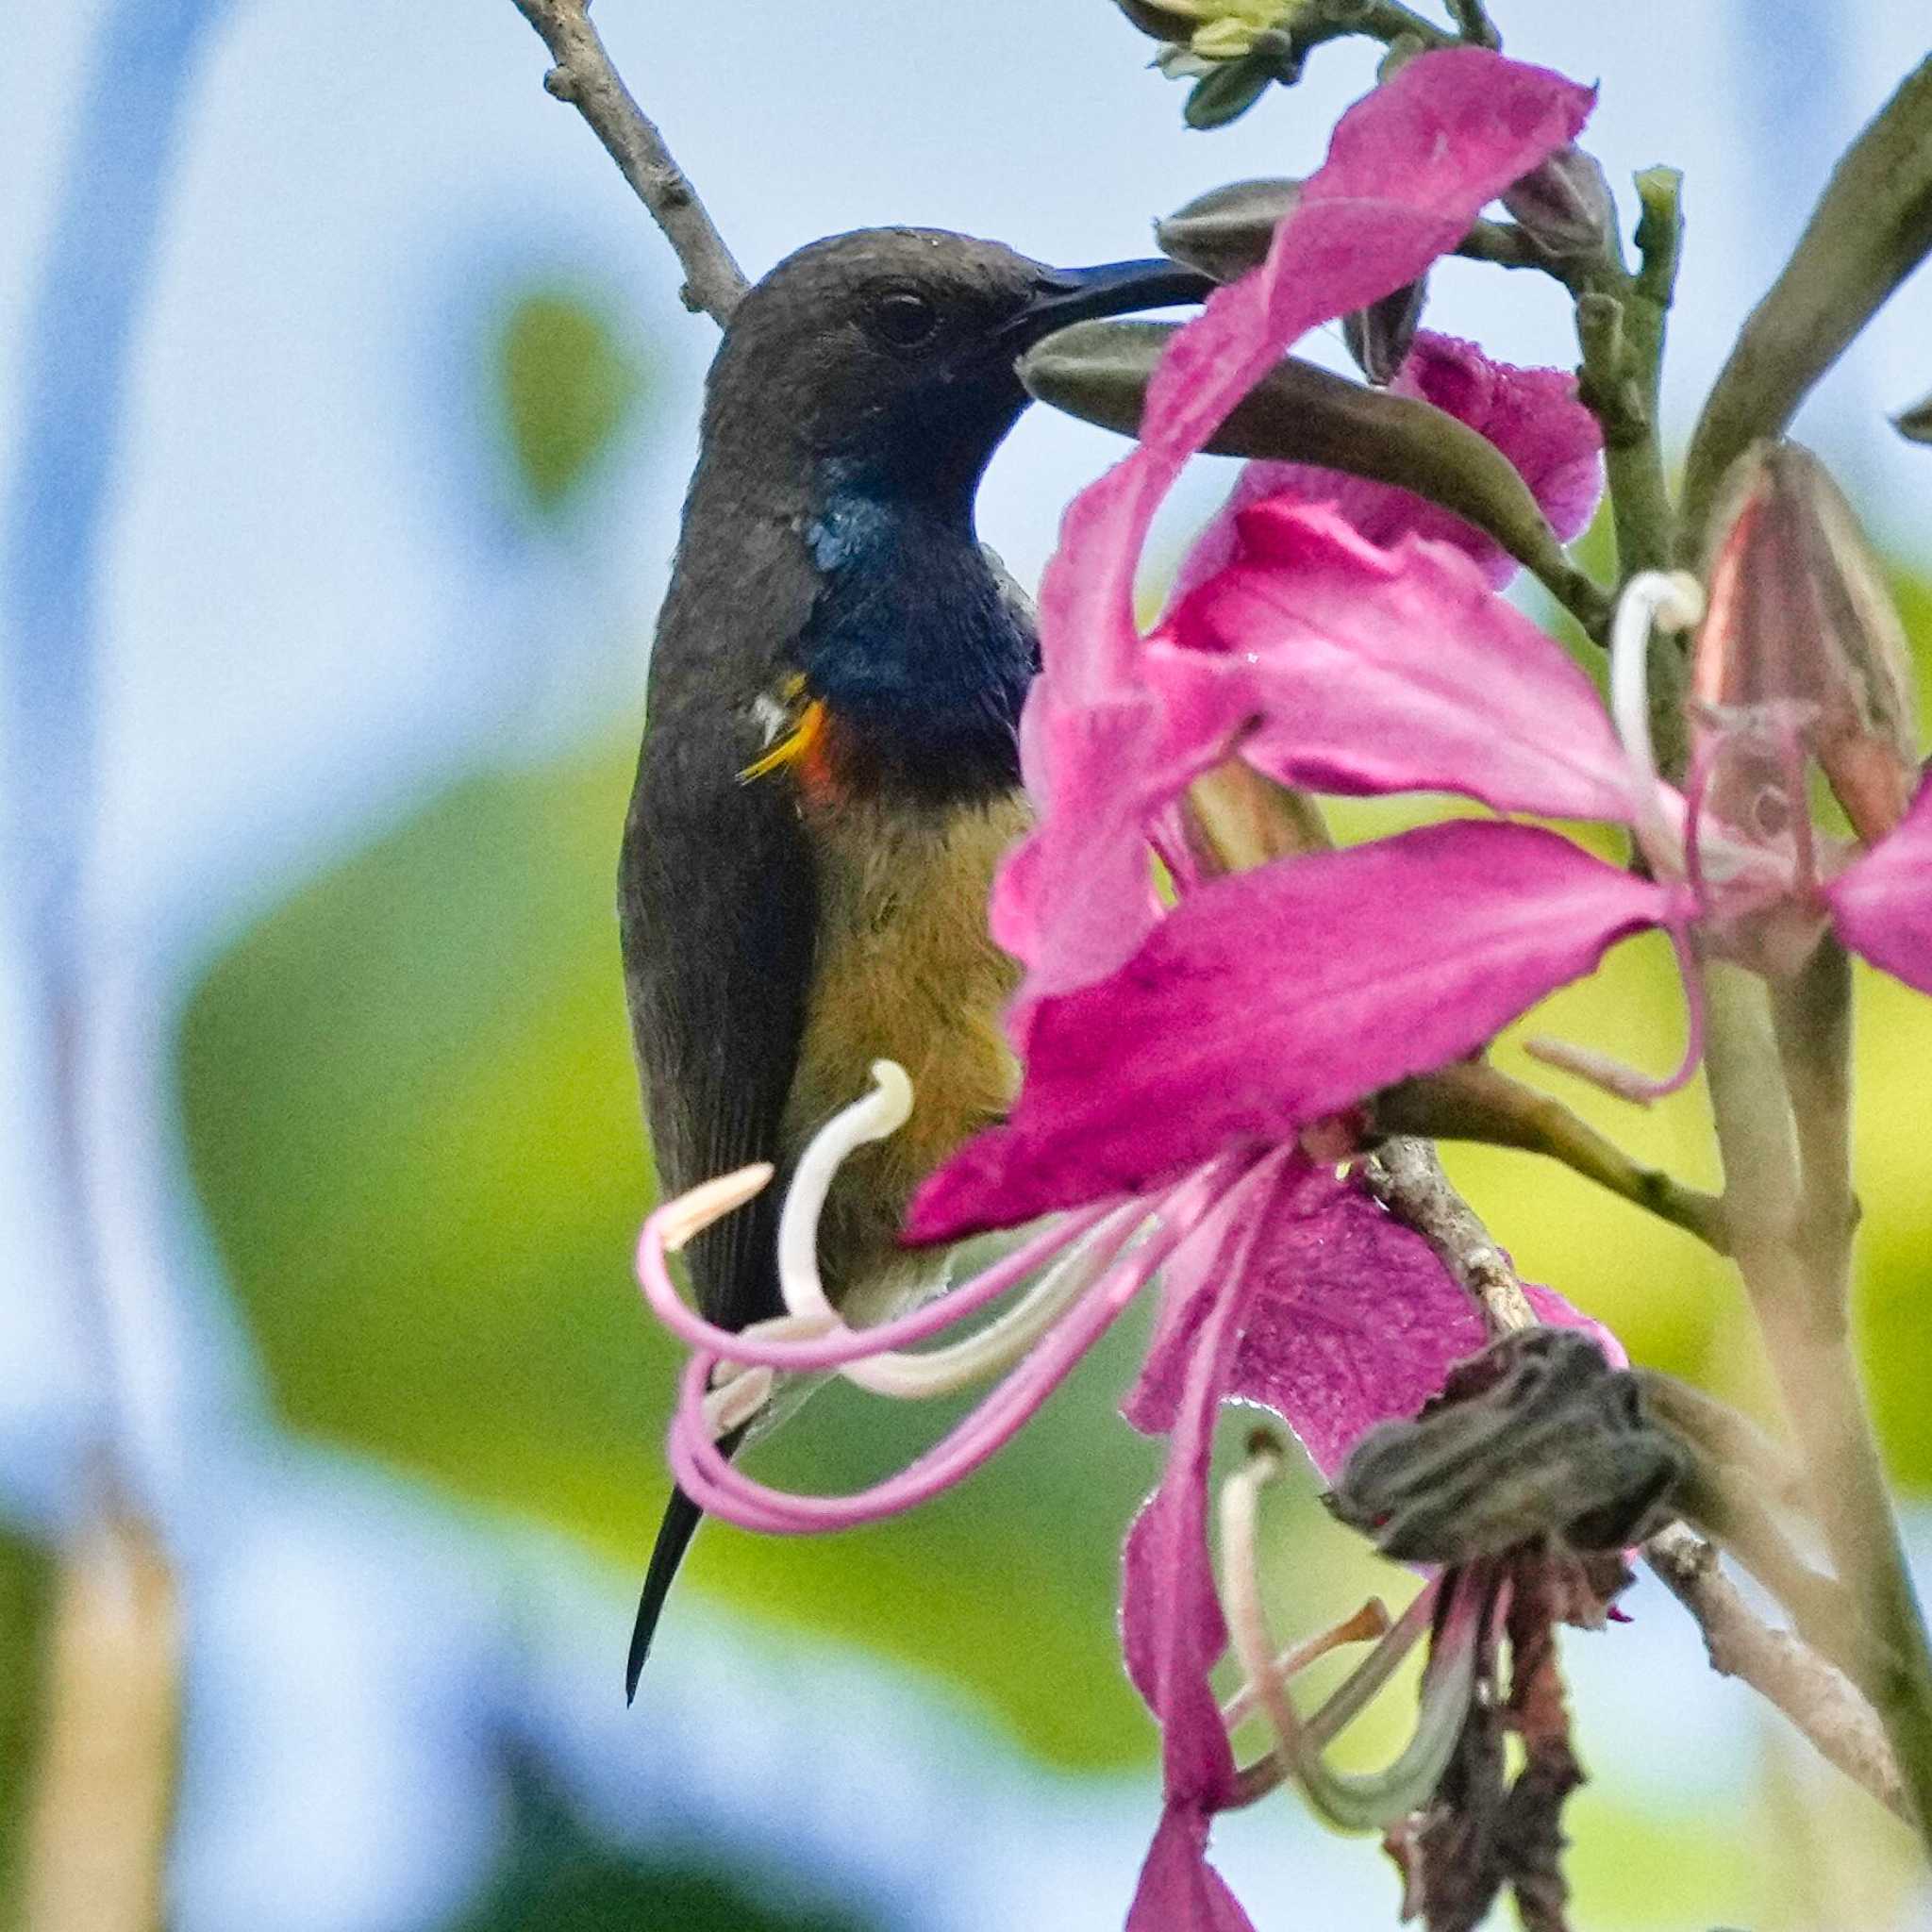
906 971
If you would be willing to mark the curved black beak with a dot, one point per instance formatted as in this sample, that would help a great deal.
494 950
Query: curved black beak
1066 295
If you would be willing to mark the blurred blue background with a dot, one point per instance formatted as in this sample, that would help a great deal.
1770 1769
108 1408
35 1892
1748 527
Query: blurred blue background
345 409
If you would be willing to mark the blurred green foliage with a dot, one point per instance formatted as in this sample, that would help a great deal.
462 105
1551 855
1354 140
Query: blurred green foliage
560 1878
567 380
413 1121
27 1588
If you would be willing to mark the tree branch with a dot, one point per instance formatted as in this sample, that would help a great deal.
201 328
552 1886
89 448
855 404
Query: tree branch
1815 1695
1408 1178
584 76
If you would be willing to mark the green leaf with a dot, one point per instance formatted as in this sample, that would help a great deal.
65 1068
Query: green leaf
567 383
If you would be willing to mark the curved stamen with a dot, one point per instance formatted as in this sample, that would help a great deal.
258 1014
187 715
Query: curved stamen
1706 749
1351 1697
941 1371
782 1344
1369 1624
1611 1075
1651 600
717 1486
877 1115
1356 1803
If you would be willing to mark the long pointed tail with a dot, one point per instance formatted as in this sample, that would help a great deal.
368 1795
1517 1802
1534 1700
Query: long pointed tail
681 1519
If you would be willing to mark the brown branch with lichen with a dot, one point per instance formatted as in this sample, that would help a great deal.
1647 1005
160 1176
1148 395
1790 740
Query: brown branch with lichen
1818 1699
585 78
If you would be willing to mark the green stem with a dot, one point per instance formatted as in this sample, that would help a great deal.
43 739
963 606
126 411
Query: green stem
1474 1101
1474 23
1620 321
1793 1250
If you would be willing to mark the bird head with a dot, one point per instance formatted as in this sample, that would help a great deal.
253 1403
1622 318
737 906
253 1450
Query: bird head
887 355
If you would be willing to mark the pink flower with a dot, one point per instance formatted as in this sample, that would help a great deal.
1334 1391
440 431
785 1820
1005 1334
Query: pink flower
1408 170
1283 1281
1266 1001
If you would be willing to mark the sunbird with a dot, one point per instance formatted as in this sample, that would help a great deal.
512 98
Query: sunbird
830 768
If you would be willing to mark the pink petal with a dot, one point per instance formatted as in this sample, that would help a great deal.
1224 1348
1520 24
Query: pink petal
1881 905
1275 998
1407 169
1532 415
1353 1321
1171 1632
1179 1892
1376 670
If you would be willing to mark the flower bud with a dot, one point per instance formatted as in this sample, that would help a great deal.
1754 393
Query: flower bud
1565 205
1227 231
1378 337
1915 424
1230 90
1801 645
1159 22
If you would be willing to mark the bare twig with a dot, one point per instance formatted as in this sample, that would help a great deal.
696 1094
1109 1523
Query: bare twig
1818 1698
97 1838
1408 1178
585 78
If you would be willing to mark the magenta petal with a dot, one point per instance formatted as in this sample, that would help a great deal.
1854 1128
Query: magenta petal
1532 415
1881 906
1376 671
1275 998
1179 1892
1407 169
1171 1632
1353 1321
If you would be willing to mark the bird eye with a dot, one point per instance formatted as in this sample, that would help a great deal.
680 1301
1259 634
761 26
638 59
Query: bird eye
902 319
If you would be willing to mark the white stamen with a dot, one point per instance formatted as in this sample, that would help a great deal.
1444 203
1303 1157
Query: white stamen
732 1403
883 1111
1651 600
941 1371
694 1211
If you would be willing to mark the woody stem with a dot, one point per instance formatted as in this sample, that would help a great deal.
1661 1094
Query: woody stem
1787 1203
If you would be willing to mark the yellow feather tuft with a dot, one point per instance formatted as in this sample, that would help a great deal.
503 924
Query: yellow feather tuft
793 746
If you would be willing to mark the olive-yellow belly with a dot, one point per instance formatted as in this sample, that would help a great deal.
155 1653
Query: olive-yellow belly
906 971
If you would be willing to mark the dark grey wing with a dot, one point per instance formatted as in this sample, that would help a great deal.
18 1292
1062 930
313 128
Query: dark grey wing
717 905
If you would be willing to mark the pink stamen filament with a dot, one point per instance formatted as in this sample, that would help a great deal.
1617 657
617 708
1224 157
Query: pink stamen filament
780 1345
710 1481
1626 1082
1704 751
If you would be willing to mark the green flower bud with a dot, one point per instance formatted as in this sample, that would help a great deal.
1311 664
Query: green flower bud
1226 231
